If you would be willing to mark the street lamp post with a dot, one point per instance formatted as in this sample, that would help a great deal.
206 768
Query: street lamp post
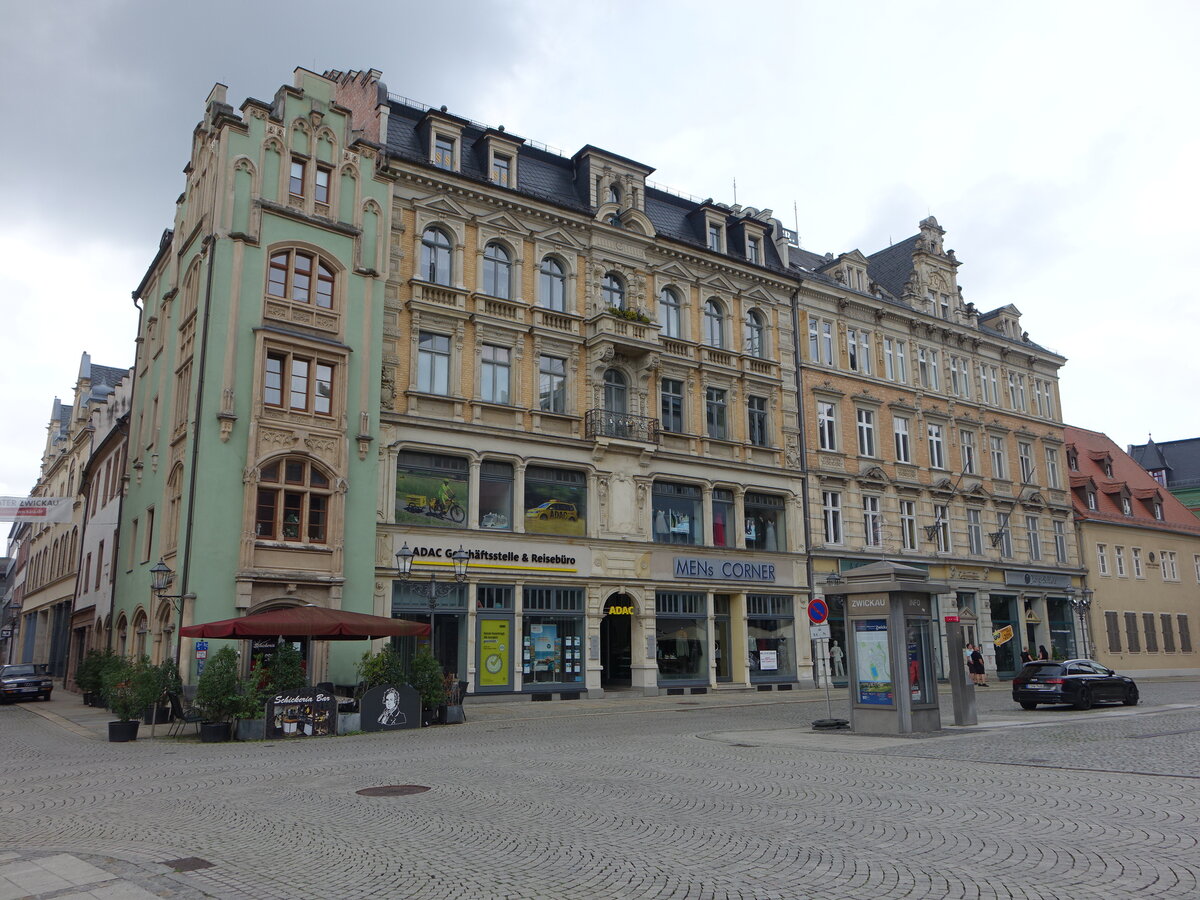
1082 603
432 590
161 579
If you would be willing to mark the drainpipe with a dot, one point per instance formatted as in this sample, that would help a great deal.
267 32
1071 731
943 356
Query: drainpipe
185 567
804 503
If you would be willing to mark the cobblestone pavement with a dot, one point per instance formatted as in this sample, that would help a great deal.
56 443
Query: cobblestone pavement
688 797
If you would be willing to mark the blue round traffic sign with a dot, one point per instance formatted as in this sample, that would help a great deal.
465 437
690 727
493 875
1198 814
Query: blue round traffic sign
818 612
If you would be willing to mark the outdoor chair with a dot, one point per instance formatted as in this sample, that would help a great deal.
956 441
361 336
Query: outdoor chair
183 717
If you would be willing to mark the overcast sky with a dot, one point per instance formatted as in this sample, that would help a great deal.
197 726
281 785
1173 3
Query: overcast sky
1057 143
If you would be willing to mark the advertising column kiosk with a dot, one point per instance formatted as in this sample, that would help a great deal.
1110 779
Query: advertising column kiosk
889 633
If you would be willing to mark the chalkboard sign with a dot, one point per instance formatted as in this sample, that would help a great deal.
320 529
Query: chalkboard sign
390 708
303 713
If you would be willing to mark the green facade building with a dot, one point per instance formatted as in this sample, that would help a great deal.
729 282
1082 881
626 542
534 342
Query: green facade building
253 465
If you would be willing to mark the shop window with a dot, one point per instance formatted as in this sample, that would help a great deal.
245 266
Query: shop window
552 636
292 502
681 637
447 620
494 596
678 513
495 495
431 490
722 513
555 501
765 522
771 631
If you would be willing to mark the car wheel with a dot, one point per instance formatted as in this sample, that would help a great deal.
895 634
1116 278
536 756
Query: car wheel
46 696
1026 705
1085 699
1131 697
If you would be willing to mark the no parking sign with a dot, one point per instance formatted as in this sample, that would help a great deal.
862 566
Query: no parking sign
818 611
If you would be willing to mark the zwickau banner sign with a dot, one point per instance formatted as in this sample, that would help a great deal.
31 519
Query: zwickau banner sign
49 510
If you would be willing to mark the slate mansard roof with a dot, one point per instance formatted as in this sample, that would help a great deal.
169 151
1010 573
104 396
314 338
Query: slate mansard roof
551 177
1180 459
547 176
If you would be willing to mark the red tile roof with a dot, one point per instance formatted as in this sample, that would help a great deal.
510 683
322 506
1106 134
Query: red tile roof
1092 448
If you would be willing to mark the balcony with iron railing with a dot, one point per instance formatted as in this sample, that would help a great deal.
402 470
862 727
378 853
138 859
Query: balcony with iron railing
604 423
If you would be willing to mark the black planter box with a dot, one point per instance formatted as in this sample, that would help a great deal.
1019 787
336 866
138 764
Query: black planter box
122 732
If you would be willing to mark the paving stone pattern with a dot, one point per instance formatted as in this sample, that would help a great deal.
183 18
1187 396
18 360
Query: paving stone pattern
711 797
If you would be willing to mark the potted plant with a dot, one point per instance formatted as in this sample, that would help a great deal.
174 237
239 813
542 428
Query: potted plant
110 664
251 722
129 688
168 681
218 694
383 668
89 676
427 678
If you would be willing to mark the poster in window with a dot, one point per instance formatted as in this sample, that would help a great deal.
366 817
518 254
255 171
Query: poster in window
431 498
555 508
873 663
546 651
768 660
494 643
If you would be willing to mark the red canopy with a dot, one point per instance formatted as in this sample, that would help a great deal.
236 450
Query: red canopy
307 621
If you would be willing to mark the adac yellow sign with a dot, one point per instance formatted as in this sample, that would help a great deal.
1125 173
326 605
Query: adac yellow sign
620 610
1003 636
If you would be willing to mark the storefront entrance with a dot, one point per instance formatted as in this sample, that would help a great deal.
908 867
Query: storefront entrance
616 642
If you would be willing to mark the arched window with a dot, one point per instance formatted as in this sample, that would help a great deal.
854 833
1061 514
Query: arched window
435 257
669 313
714 324
613 195
756 331
497 270
552 284
612 290
174 496
293 502
140 628
300 277
616 392
122 636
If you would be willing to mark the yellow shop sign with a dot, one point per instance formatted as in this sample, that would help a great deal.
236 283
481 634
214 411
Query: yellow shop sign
620 610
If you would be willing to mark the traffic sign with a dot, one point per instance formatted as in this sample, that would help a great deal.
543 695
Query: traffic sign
819 632
818 611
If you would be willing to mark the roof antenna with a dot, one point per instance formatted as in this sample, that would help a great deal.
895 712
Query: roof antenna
796 220
735 191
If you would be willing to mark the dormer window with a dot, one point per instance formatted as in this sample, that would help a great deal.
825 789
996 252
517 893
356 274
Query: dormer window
1072 460
754 250
1108 469
1091 499
502 170
1126 507
443 152
614 194
716 238
1158 511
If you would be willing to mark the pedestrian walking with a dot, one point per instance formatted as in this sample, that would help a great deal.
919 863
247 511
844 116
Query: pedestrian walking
1042 654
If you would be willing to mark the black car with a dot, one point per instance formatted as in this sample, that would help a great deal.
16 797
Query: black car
1080 682
24 680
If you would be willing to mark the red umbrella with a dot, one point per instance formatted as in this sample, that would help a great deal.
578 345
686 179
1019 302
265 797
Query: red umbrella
307 621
